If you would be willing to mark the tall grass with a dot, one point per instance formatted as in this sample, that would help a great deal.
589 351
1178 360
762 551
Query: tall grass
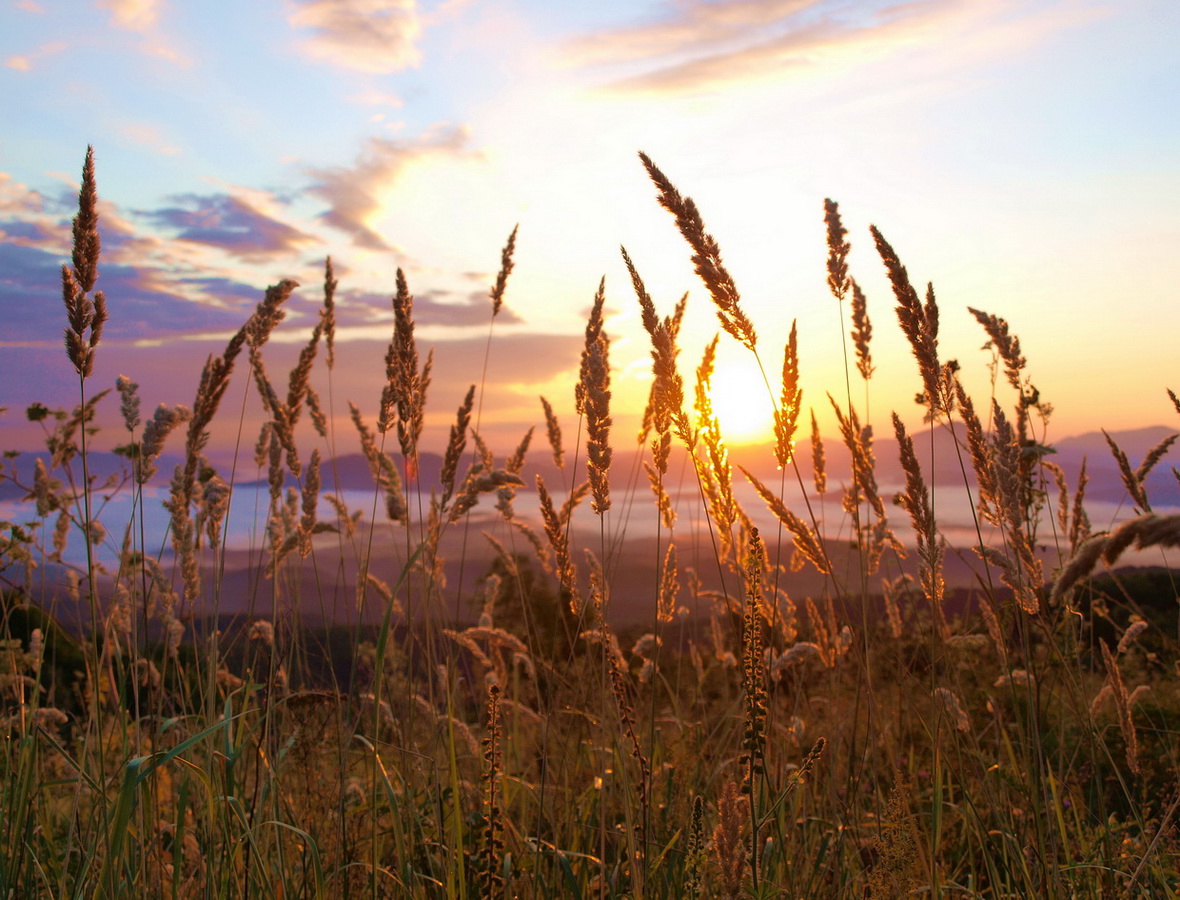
881 736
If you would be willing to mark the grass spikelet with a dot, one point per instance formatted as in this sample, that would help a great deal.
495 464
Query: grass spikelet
891 590
859 441
155 433
315 409
647 307
838 249
1130 636
712 460
593 332
1153 456
216 374
729 846
1151 530
1132 483
299 380
559 540
663 501
818 466
129 402
665 405
328 314
694 850
807 542
515 462
84 313
384 471
1006 344
669 586
896 871
1021 568
810 761
311 495
754 691
405 384
491 878
952 708
455 447
977 446
596 392
706 257
786 417
918 322
862 332
553 432
753 667
916 501
498 288
1122 702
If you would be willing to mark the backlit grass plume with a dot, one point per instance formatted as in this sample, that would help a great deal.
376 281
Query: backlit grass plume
706 257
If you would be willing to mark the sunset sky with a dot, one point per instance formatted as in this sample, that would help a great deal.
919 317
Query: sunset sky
1023 155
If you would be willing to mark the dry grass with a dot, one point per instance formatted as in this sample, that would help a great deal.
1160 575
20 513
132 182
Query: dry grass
997 748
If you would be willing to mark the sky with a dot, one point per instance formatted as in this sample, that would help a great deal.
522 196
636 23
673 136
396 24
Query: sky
1021 155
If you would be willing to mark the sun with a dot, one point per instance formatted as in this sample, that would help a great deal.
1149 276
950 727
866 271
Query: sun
741 402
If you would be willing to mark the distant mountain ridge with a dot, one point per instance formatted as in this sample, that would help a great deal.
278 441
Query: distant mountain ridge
351 470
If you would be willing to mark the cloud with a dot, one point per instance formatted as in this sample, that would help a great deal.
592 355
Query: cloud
689 26
143 17
17 198
24 62
700 45
352 193
376 36
378 98
134 15
140 302
231 224
149 135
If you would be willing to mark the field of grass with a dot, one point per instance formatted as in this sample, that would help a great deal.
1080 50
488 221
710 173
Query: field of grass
866 739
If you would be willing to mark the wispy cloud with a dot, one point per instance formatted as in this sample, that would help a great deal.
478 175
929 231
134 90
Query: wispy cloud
232 224
143 17
18 198
24 62
378 36
686 27
134 15
149 136
699 44
353 192
378 98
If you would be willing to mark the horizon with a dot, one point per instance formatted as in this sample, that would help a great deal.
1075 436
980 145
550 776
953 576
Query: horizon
1002 165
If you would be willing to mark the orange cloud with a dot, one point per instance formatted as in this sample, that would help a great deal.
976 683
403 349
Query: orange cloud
24 62
134 15
709 44
377 36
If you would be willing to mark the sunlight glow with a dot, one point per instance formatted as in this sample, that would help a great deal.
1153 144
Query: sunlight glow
742 403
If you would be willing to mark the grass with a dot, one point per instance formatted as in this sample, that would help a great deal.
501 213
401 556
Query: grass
877 737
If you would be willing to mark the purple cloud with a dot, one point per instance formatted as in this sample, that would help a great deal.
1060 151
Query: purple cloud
231 224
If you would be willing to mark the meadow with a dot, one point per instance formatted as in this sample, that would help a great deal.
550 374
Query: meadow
806 709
